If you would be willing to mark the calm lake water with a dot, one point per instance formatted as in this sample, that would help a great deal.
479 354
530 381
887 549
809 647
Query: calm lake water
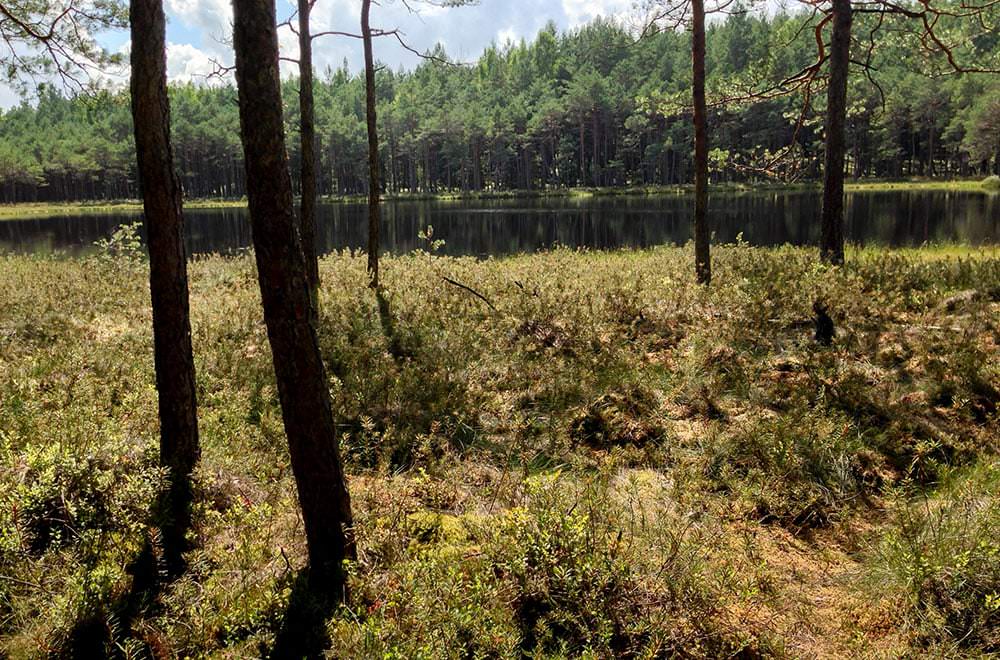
501 227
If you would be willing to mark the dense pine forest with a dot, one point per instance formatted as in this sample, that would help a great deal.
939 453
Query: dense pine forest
590 107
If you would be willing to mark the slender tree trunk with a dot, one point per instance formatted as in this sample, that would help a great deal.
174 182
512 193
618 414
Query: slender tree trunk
477 165
284 286
832 239
595 164
913 152
702 256
393 171
373 164
930 151
168 286
307 133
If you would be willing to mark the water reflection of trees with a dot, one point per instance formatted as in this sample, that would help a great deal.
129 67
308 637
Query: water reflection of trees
512 226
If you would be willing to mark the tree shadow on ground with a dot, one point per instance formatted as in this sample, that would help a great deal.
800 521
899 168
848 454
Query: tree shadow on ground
303 628
95 632
396 349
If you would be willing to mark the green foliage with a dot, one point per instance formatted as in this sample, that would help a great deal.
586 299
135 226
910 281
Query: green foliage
551 578
75 520
63 498
124 245
589 107
992 182
942 557
579 469
797 469
58 39
578 591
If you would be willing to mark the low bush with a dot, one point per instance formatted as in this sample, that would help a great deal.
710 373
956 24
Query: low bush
578 467
941 557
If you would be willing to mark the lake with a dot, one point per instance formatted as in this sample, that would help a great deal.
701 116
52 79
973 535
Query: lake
499 227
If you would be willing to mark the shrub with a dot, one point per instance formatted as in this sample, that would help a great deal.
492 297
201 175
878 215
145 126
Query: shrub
617 419
798 469
942 558
66 498
566 575
123 246
74 522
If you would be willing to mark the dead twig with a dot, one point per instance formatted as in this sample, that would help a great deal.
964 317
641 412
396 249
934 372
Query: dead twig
470 290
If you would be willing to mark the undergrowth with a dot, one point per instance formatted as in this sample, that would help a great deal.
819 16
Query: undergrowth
593 457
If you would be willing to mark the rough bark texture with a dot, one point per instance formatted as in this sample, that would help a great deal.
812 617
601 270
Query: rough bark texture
374 218
307 132
164 220
832 231
302 385
702 235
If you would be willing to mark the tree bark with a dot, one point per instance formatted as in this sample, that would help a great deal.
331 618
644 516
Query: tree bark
374 218
832 238
307 134
284 286
168 286
702 256
930 149
595 166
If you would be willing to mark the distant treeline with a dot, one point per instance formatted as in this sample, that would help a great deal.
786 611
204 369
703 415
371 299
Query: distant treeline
592 107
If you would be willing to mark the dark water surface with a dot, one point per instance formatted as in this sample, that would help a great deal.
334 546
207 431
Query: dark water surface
498 227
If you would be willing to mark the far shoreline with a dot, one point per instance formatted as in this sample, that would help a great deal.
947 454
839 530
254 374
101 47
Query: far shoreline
30 210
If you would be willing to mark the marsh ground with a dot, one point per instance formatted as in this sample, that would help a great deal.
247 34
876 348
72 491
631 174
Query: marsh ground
604 460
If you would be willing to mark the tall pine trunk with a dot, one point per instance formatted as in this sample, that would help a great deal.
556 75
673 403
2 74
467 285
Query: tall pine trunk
702 256
373 160
284 287
307 133
168 285
832 237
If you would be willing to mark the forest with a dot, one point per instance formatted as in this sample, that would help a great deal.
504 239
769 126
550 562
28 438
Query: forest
590 107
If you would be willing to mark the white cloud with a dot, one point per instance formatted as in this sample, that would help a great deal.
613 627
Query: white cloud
579 12
465 31
215 17
8 97
185 63
507 35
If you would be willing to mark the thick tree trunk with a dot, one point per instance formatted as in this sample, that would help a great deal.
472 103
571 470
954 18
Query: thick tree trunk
832 237
702 256
307 132
374 218
284 286
161 195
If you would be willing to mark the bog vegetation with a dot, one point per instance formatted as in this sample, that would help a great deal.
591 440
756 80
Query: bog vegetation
593 456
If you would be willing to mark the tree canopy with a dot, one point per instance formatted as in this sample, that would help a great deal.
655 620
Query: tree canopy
593 106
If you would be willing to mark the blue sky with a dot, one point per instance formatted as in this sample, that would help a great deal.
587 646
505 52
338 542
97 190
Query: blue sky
196 26
197 31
